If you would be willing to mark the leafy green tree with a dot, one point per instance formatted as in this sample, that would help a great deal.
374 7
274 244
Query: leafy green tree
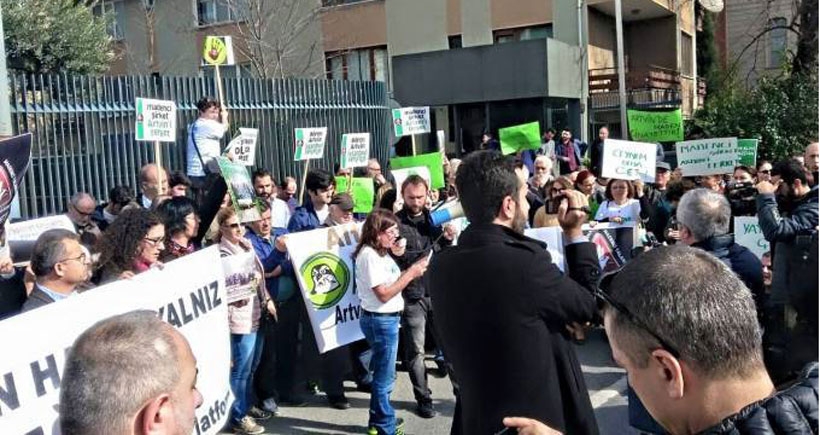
706 52
55 36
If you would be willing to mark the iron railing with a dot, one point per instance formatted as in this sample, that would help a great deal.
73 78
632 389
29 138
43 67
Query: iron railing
83 127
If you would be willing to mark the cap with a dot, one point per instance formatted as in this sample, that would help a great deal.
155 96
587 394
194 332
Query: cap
343 200
663 165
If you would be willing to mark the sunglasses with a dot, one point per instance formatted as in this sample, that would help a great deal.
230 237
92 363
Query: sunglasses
234 225
80 211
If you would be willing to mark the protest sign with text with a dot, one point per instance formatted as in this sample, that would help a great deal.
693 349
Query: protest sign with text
325 272
652 126
15 159
310 143
188 293
355 150
399 175
707 156
242 279
433 162
21 236
747 152
244 146
362 191
626 160
156 120
749 234
613 244
520 137
411 120
240 188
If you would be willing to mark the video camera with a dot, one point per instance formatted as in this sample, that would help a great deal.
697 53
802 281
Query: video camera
742 197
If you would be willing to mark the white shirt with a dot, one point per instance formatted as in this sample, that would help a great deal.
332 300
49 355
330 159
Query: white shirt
207 134
279 213
323 213
630 212
373 270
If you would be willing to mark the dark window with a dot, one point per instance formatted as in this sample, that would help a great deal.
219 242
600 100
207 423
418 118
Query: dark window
454 41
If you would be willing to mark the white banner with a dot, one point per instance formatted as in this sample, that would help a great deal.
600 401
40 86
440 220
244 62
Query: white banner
156 120
355 150
625 160
21 236
310 143
707 156
244 146
411 120
323 262
188 293
749 234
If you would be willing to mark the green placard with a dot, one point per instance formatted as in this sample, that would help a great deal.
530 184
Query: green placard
663 126
362 192
747 152
520 137
432 161
397 127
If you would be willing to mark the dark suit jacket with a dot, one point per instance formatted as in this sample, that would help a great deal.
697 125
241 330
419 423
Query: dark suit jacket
36 299
501 308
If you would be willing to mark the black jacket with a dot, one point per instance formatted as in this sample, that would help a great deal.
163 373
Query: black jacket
36 299
742 261
791 411
501 309
421 236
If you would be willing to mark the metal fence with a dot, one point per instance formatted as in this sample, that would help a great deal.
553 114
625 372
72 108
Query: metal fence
84 127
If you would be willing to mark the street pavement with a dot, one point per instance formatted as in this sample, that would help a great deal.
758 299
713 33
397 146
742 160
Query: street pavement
606 383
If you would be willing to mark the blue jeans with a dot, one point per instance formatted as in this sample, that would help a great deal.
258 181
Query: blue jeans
246 350
382 333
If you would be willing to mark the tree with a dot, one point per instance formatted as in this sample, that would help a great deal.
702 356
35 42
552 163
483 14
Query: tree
706 51
55 36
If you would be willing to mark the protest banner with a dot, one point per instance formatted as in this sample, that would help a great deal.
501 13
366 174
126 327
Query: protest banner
241 278
244 146
660 126
15 159
325 272
431 161
749 234
707 156
747 152
361 190
625 160
310 143
21 236
520 137
156 120
188 293
554 238
355 150
411 120
240 188
613 244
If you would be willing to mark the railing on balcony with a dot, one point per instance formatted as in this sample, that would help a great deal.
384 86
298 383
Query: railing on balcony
653 77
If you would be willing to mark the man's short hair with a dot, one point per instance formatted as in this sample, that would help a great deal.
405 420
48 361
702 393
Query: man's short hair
113 369
318 179
286 181
414 180
705 212
790 170
178 178
79 196
120 195
49 249
206 103
695 303
484 179
261 173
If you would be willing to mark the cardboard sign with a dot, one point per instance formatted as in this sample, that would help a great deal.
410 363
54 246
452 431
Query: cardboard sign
188 293
646 126
626 160
399 175
310 143
520 137
432 161
21 236
411 120
361 190
240 188
156 120
747 152
554 238
242 277
749 234
323 262
244 146
355 150
218 50
707 156
613 244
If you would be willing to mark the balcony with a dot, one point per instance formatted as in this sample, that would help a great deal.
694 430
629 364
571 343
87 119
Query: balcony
645 88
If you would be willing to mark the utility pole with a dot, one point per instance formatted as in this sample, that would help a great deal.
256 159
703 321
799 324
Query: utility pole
619 37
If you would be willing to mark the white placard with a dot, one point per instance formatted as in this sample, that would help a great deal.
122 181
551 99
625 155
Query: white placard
189 293
310 143
707 156
156 120
749 234
244 146
29 231
553 237
355 150
442 141
242 277
411 120
625 160
325 271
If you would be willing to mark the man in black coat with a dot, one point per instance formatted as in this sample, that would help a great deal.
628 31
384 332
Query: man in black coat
502 306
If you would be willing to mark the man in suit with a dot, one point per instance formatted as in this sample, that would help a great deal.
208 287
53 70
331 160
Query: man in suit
59 264
502 306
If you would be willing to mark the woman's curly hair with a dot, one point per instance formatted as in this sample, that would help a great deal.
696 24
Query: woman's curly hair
119 244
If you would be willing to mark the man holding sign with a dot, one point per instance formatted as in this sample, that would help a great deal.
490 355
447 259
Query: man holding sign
204 136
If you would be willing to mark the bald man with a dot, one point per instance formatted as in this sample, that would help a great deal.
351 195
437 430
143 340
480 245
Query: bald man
150 184
812 159
81 207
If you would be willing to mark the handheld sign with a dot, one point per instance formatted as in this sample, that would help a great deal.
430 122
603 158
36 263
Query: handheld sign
749 234
156 120
361 190
707 156
310 143
411 120
747 152
244 146
240 187
655 126
433 162
355 150
626 160
520 137
15 159
218 50
21 236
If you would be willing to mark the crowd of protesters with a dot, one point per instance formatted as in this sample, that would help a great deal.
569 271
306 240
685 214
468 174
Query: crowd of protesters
503 333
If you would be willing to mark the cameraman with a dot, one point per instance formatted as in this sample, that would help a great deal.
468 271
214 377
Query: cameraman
741 192
788 216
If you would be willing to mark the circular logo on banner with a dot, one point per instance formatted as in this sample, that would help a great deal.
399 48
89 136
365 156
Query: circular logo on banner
326 277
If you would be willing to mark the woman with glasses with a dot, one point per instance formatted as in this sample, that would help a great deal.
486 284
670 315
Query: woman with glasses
585 183
764 171
379 284
181 225
131 245
620 207
547 216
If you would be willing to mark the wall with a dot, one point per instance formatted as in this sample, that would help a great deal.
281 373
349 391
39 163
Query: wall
355 25
475 23
602 42
520 13
744 21
663 50
416 26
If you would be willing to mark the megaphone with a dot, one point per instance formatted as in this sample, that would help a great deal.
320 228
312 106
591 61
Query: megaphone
446 213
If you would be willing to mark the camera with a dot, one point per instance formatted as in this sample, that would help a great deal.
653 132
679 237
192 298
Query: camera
741 198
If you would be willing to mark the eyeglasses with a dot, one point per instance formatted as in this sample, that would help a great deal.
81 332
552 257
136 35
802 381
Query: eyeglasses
604 296
765 171
81 258
81 212
234 225
554 190
156 241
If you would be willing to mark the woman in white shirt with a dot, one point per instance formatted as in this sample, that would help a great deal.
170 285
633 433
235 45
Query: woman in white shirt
379 284
620 207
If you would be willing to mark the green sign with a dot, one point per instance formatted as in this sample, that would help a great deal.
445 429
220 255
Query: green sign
520 137
432 161
647 126
362 192
747 152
